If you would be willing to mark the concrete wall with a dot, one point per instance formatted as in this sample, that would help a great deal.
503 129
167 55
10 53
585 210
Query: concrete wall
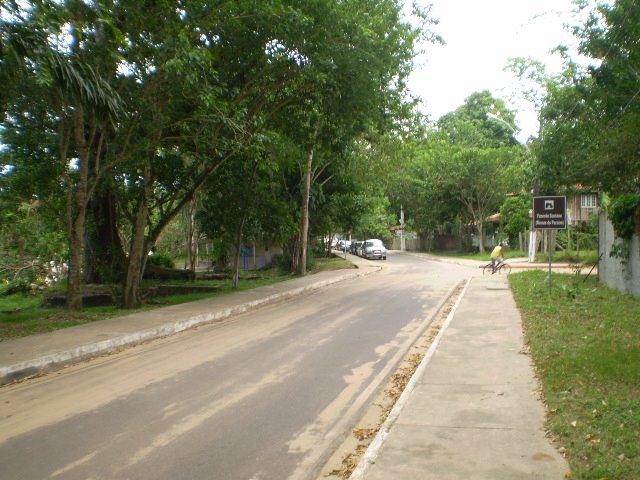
612 271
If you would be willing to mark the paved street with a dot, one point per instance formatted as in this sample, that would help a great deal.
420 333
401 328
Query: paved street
263 395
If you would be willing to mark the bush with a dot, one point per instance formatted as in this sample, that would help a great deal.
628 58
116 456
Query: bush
622 213
22 285
285 263
515 217
161 259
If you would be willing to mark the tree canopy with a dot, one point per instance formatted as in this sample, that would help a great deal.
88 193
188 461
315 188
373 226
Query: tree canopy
130 108
590 120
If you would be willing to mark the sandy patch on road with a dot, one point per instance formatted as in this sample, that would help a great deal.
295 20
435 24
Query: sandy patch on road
346 458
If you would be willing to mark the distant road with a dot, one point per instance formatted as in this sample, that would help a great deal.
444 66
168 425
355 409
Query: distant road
265 395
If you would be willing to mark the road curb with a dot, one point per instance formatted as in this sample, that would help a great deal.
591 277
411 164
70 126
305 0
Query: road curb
372 451
53 361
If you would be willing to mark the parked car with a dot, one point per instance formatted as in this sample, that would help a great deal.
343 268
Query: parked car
355 247
344 245
374 249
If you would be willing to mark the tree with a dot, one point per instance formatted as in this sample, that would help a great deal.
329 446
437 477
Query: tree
469 124
514 217
80 103
590 120
479 180
358 87
194 85
244 204
470 164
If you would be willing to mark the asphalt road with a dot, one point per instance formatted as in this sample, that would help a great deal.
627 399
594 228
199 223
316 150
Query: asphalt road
265 395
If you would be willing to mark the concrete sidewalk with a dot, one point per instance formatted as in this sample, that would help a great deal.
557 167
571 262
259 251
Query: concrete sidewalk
471 411
35 354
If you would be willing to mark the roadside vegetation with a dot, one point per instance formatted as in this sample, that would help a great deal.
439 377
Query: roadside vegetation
585 258
276 132
585 342
482 257
23 314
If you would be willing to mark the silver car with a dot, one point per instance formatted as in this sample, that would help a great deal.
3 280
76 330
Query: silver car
374 249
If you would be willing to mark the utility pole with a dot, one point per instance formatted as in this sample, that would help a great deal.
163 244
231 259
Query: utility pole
401 229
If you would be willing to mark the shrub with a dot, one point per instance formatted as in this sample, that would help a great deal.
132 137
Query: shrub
161 259
622 213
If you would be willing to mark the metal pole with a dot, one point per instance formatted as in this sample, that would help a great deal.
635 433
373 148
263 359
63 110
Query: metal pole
549 245
532 246
401 229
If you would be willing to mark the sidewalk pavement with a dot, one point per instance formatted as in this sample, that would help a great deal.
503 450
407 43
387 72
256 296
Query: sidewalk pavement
472 409
36 354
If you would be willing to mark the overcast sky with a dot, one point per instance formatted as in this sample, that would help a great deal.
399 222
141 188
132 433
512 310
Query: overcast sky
480 36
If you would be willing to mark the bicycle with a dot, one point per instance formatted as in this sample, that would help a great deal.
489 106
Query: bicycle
501 268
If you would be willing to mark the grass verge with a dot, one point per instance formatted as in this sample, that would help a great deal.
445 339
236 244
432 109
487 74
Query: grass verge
22 314
482 257
585 341
586 257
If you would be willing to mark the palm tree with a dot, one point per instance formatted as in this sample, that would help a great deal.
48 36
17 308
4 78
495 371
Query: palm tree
82 101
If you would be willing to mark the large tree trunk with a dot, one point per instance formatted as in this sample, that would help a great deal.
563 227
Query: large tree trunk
239 237
131 291
139 246
190 236
480 224
293 251
304 221
76 212
105 260
236 260
76 242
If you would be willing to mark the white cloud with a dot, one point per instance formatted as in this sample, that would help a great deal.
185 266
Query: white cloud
480 37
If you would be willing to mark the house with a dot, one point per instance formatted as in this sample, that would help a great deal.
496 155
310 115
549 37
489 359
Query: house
580 206
257 255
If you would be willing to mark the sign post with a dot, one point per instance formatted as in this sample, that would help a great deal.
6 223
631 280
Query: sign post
550 213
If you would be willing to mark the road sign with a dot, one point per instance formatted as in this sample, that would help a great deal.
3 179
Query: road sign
549 213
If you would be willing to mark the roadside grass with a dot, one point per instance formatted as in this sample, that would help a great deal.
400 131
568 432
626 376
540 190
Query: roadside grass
584 257
482 257
585 342
23 314
333 263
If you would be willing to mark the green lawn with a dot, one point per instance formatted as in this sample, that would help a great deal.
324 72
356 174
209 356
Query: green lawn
23 314
482 257
585 342
586 257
